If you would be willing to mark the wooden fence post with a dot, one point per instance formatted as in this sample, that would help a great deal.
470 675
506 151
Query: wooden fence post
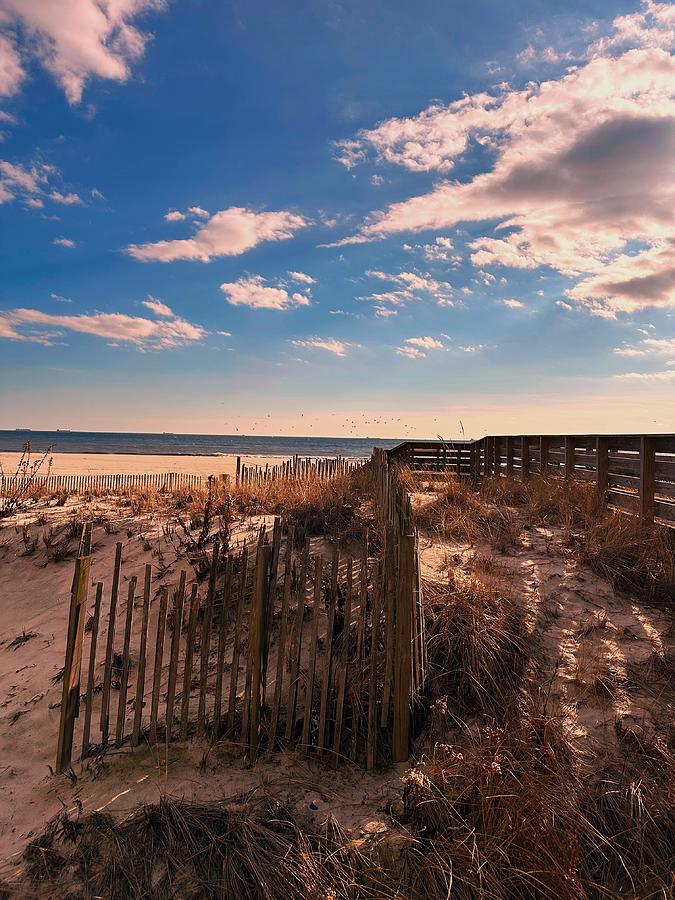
92 670
569 457
509 457
602 467
256 640
524 458
647 478
544 444
107 675
70 696
402 657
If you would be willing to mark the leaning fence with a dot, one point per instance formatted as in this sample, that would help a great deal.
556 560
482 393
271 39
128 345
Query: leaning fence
281 646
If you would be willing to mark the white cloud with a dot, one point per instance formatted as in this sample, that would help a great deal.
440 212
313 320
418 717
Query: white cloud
648 347
666 375
224 333
411 352
158 308
329 345
64 242
253 291
11 70
69 199
410 284
75 40
513 304
301 277
227 233
145 334
173 215
199 212
473 348
382 312
96 194
377 180
60 299
424 343
630 282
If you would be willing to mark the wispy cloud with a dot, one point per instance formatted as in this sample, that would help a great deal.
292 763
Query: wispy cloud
166 333
254 291
301 278
409 286
227 233
74 40
328 345
69 243
68 199
512 303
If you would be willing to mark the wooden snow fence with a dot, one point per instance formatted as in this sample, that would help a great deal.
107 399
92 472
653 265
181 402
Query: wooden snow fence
297 468
80 484
278 647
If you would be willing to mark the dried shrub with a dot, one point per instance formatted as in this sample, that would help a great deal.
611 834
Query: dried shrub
636 558
477 643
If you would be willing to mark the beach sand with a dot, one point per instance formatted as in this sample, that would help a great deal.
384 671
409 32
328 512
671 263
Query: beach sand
138 464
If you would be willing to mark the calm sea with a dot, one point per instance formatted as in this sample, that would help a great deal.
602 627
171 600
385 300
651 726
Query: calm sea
189 444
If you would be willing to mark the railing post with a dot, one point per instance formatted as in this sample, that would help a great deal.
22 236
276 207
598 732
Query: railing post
569 457
544 444
70 696
509 457
647 477
524 457
602 467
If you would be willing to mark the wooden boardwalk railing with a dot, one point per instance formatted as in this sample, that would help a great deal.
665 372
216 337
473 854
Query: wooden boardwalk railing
633 472
297 469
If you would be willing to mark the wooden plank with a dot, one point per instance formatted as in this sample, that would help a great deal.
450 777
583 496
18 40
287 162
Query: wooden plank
509 457
389 605
177 623
544 451
371 747
157 669
245 730
402 656
142 661
311 669
271 599
206 640
236 652
647 478
187 664
124 677
281 645
70 695
110 648
91 674
325 683
525 457
256 641
360 651
342 668
601 466
220 659
296 647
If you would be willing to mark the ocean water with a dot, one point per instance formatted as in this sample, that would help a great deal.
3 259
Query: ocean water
190 444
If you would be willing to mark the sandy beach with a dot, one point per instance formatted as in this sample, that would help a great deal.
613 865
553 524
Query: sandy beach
137 464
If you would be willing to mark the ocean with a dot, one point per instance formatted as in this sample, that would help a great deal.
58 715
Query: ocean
190 444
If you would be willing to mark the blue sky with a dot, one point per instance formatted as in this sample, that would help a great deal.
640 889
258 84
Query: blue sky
337 217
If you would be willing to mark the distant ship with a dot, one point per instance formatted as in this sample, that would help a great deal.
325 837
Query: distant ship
63 431
23 430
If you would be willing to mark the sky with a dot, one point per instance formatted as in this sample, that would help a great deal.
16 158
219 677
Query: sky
337 217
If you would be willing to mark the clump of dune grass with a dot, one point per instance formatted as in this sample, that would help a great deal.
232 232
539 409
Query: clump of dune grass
635 557
477 642
459 513
245 848
333 508
547 500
